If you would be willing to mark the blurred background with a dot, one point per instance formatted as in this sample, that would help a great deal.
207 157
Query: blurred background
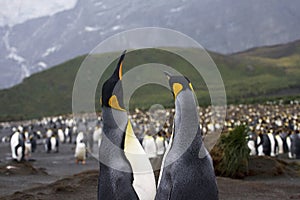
37 36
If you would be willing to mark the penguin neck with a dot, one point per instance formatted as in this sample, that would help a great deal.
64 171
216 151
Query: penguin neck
112 144
114 125
114 119
186 121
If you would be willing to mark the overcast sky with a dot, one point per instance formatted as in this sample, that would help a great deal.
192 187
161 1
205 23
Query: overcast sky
16 11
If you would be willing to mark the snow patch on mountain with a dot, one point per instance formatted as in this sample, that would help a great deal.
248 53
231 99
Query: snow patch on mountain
18 11
14 56
12 51
115 28
91 29
50 51
43 65
178 9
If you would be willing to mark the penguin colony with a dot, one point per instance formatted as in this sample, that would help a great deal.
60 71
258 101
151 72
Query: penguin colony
50 133
273 130
281 120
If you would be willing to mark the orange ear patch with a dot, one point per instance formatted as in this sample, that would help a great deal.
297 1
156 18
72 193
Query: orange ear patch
120 71
114 103
177 87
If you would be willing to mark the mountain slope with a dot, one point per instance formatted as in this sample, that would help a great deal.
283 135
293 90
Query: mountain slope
220 26
255 75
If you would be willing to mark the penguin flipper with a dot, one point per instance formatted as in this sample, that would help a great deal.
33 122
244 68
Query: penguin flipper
16 149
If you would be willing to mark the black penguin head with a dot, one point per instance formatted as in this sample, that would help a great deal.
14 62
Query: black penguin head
178 84
112 90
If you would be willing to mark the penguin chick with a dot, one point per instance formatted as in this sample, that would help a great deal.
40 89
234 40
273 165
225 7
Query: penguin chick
150 146
80 152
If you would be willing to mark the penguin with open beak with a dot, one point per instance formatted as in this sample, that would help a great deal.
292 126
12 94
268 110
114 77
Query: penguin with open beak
187 171
125 170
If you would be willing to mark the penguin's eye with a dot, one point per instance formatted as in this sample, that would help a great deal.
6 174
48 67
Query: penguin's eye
177 87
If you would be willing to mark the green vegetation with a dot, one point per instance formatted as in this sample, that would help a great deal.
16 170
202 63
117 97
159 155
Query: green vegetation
256 75
233 154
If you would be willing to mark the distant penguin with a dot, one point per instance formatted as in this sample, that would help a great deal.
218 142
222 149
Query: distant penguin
20 128
80 151
97 134
125 170
252 143
265 144
52 144
28 149
294 145
297 145
39 135
280 143
260 149
61 135
28 145
17 144
269 145
187 171
161 145
5 139
33 137
49 133
68 135
149 146
97 137
80 137
284 136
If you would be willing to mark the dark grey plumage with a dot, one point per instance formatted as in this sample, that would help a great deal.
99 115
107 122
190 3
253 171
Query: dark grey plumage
187 171
114 183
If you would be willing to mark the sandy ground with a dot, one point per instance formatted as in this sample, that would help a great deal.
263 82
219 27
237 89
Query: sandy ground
56 176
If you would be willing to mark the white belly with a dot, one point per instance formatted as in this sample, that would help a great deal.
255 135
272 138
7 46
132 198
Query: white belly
53 143
80 151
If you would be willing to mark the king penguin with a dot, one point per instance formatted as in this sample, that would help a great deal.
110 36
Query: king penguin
80 149
187 171
125 170
17 144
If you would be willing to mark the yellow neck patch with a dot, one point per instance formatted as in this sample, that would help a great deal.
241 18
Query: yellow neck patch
177 87
114 103
143 176
129 146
